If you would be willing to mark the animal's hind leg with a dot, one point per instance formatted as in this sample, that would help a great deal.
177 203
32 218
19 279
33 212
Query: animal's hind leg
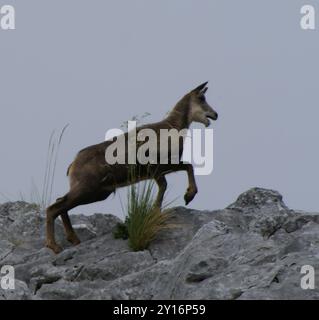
61 207
52 213
70 233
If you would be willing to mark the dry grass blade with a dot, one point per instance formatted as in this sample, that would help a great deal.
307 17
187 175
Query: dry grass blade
50 167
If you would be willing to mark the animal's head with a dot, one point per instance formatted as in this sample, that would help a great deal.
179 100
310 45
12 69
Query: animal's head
200 110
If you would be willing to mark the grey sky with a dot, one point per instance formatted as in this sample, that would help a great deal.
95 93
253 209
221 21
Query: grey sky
94 64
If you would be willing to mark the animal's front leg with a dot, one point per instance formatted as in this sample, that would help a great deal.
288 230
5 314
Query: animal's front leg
162 185
192 187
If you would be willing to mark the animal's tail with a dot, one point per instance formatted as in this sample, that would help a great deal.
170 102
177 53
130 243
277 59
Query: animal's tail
69 169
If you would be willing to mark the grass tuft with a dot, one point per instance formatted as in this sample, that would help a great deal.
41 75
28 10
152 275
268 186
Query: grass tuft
144 220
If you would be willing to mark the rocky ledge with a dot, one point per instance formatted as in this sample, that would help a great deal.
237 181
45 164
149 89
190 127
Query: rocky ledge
253 249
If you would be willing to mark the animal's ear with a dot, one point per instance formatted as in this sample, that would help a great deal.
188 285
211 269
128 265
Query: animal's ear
201 88
204 90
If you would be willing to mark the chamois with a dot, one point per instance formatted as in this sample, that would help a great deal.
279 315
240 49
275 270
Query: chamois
92 179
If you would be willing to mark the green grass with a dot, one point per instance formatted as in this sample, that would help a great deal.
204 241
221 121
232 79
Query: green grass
144 220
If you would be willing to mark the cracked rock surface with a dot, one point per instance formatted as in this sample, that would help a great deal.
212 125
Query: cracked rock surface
253 249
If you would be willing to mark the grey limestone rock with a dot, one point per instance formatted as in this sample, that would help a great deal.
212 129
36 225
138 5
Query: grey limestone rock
253 249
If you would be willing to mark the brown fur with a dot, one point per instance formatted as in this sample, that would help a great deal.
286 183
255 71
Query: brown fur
92 179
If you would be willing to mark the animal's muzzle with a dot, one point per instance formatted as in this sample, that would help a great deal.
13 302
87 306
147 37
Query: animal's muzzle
213 116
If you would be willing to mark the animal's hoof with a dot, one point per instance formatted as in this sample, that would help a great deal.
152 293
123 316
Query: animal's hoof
187 201
74 239
189 196
54 247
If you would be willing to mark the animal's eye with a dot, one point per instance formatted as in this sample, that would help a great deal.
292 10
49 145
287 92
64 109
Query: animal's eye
201 98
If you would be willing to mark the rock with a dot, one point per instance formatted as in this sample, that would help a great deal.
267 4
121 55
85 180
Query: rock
257 198
185 223
6 248
20 292
61 290
253 249
116 266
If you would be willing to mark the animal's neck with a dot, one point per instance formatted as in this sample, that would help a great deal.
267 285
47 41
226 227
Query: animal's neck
178 118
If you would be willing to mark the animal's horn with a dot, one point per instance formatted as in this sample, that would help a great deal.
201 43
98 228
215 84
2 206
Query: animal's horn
201 87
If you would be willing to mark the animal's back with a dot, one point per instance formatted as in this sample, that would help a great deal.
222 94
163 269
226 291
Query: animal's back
90 162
